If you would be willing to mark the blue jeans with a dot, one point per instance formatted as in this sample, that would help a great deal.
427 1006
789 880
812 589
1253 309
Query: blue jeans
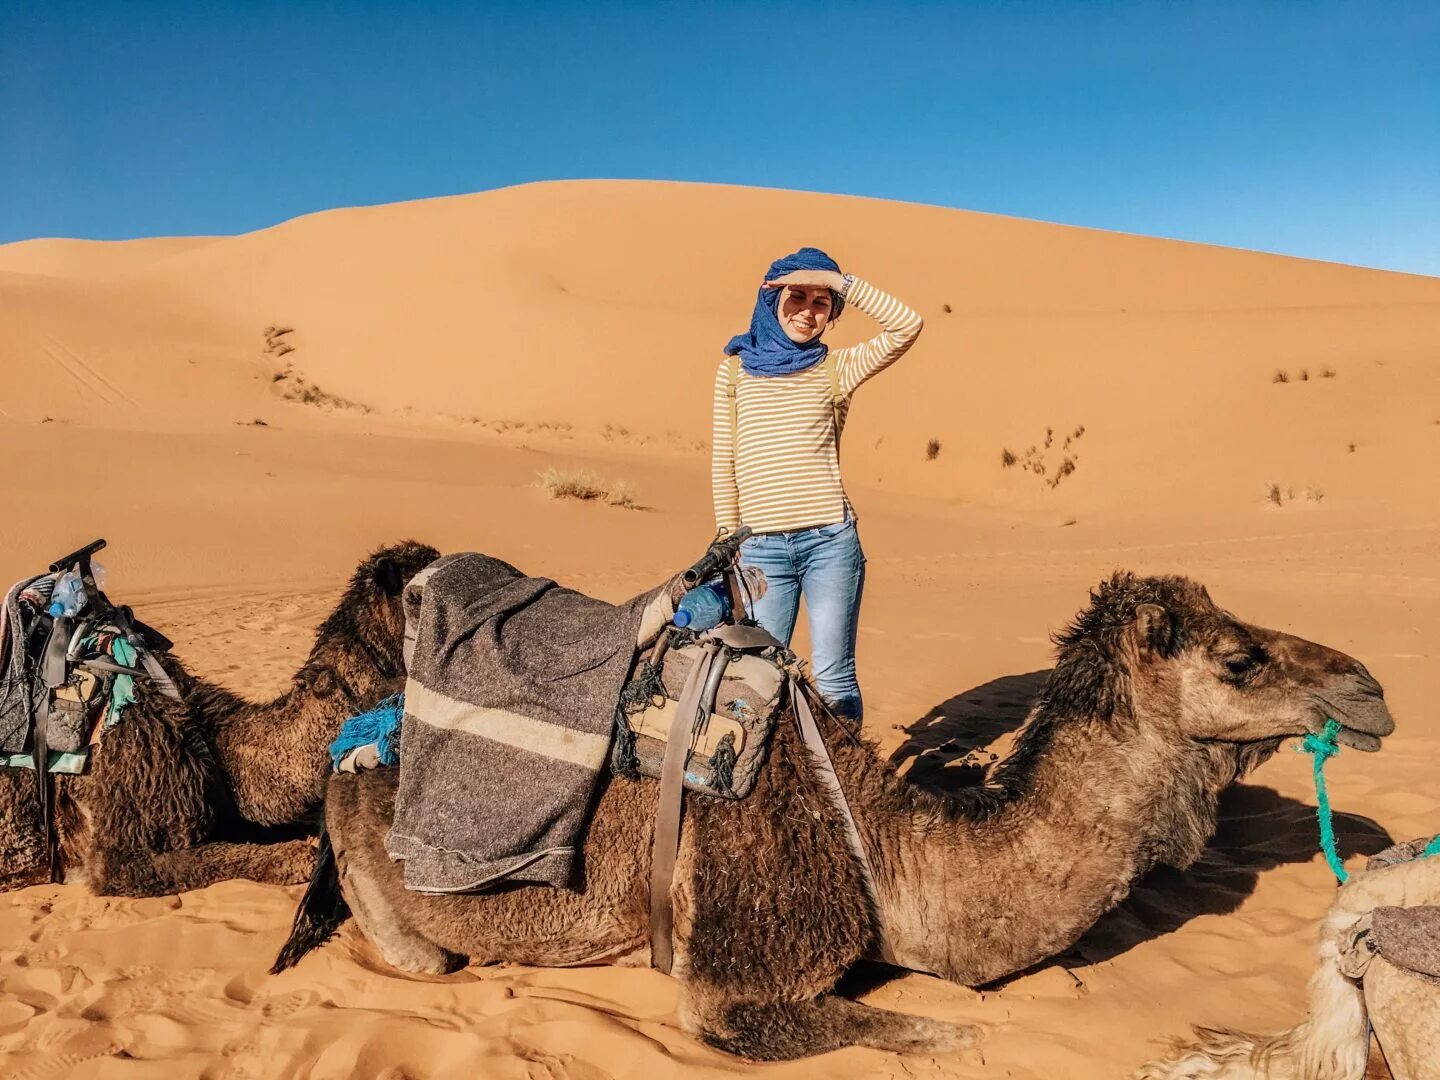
825 565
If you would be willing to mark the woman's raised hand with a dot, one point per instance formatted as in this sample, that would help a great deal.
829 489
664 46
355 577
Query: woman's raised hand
814 279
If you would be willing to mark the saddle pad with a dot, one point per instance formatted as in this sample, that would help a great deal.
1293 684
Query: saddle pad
1409 937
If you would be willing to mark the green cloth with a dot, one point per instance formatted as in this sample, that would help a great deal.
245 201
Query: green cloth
60 761
122 691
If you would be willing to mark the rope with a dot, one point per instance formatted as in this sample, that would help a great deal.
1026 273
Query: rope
1322 748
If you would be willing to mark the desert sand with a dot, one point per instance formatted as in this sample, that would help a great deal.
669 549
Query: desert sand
438 356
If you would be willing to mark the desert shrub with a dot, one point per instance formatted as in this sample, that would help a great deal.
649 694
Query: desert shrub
579 484
932 449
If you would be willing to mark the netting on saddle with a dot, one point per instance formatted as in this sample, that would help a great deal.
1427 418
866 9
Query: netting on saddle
739 704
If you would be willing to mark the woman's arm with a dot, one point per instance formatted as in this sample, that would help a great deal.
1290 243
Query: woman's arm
725 493
900 325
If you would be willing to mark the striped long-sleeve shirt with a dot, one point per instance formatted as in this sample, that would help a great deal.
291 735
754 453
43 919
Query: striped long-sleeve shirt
780 470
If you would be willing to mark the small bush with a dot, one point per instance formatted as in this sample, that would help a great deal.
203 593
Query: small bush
946 308
1007 458
578 484
1304 375
1327 373
1273 494
932 449
1281 377
1352 448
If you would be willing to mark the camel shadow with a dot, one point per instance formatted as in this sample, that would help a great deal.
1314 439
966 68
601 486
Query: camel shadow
1259 829
953 745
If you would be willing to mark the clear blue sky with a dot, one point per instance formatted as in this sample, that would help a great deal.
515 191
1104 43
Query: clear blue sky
1309 128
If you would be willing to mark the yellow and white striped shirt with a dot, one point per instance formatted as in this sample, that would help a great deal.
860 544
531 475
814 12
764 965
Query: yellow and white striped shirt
781 469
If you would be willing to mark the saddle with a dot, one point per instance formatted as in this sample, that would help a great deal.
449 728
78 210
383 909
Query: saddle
65 675
699 714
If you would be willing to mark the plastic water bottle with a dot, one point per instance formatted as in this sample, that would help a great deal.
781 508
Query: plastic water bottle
68 596
708 604
702 607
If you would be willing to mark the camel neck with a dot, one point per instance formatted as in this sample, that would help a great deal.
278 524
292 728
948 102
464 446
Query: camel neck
975 888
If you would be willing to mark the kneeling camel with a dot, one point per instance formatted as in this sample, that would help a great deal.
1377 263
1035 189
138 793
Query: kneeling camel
1158 700
172 779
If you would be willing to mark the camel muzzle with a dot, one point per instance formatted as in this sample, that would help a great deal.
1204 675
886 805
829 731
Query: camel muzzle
1357 702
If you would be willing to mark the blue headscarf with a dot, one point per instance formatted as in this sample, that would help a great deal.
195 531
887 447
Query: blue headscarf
765 349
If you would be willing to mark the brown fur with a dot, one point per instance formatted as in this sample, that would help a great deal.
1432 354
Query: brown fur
171 776
1120 766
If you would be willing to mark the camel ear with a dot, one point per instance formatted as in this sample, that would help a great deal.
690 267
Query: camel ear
387 575
1154 630
319 681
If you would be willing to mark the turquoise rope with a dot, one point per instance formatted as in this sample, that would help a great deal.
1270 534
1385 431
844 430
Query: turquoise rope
1322 748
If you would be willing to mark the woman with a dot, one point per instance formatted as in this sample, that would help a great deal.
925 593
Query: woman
781 399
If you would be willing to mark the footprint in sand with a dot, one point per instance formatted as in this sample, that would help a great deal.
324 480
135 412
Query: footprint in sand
65 1056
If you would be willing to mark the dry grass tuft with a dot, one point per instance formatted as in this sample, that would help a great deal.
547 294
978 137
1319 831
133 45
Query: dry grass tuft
1007 458
932 449
1274 493
946 308
1281 377
1327 373
578 484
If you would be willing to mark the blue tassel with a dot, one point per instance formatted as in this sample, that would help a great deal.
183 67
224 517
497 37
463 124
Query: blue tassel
380 726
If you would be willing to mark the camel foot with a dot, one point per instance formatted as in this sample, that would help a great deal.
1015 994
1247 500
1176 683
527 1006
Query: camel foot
379 921
782 1031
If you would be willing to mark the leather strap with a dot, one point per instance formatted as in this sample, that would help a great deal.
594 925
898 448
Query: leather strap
743 636
825 767
158 675
666 845
52 674
665 848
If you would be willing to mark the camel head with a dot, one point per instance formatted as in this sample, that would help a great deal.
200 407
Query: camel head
363 639
1195 669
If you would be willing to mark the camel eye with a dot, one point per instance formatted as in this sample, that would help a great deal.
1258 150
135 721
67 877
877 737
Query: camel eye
1240 665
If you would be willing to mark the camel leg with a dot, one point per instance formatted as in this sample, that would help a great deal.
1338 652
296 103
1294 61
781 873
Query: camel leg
783 1030
1405 1012
362 876
286 863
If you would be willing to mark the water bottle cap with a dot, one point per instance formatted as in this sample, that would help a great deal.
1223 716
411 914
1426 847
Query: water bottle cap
682 618
55 610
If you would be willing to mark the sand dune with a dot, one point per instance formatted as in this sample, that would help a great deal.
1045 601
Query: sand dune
453 349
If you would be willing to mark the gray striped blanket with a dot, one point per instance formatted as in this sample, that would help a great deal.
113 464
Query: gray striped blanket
509 713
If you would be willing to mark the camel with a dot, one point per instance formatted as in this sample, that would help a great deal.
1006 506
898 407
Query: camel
1158 700
174 787
1351 992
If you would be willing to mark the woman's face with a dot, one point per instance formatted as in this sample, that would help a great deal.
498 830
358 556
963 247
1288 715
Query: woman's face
803 312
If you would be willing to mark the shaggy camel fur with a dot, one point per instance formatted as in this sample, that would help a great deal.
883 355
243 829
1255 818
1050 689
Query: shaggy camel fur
1333 1042
1159 699
172 779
